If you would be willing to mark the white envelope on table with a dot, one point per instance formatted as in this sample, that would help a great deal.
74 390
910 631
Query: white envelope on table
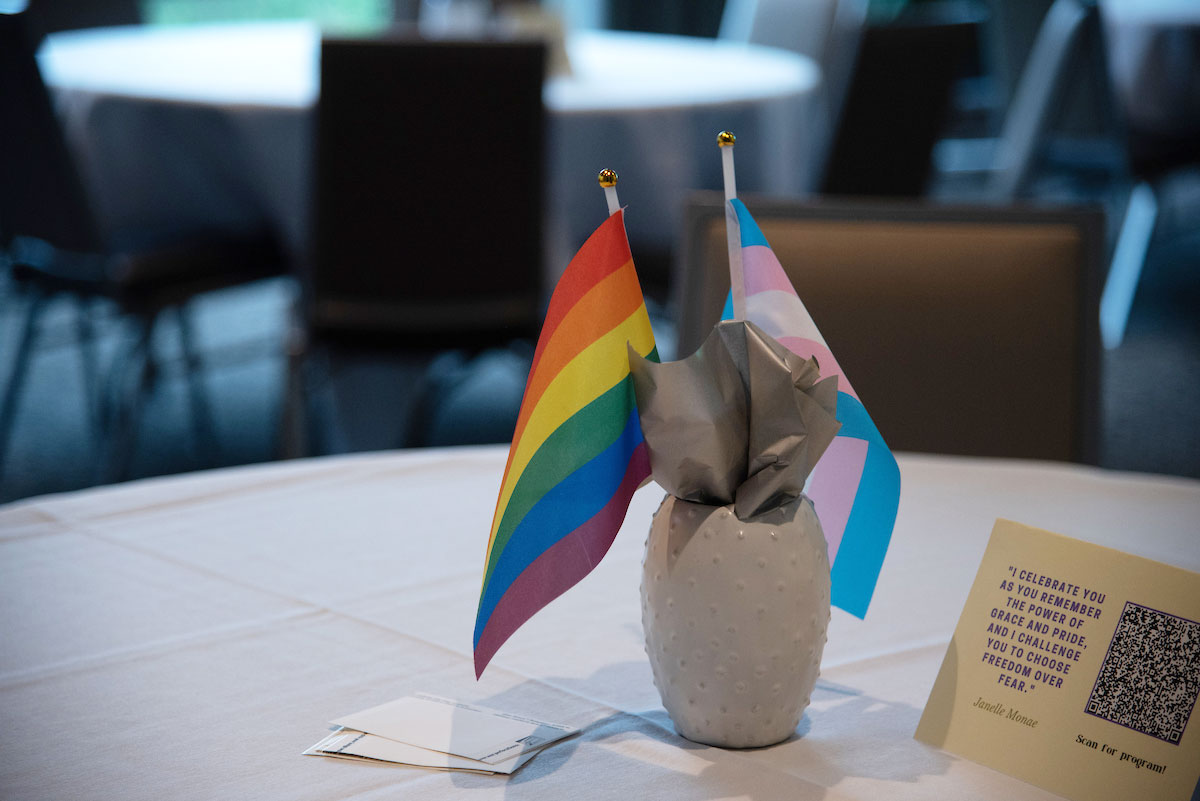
455 728
363 747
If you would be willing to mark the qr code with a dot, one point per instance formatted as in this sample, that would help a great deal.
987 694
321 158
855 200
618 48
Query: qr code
1151 674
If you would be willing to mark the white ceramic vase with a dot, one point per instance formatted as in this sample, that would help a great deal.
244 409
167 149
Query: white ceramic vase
735 615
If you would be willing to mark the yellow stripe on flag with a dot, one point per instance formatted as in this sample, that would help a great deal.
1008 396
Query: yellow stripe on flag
602 308
595 370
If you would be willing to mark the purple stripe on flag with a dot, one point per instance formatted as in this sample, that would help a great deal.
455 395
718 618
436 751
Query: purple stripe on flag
561 566
761 271
834 484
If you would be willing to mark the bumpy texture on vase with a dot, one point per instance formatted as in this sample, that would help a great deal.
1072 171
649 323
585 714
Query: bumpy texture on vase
735 615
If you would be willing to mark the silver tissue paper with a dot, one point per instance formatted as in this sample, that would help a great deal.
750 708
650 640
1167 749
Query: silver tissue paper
742 420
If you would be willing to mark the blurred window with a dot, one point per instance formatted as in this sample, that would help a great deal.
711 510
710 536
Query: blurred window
340 14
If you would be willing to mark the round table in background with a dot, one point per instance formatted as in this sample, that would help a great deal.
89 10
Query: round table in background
211 125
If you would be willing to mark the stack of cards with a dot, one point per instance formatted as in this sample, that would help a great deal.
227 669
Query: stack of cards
430 732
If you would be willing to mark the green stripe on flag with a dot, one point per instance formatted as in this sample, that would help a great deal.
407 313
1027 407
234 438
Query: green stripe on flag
573 444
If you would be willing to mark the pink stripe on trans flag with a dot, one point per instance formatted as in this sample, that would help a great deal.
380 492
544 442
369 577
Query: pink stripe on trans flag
835 483
761 272
828 365
772 304
855 487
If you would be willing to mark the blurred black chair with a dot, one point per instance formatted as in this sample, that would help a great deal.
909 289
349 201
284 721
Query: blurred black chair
1039 156
51 16
965 329
1062 120
1066 139
827 31
53 246
427 219
899 99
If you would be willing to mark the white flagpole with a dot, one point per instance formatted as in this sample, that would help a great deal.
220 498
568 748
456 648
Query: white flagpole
733 234
608 180
725 141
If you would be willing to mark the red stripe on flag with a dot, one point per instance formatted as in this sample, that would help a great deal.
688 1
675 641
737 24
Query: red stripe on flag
604 252
599 313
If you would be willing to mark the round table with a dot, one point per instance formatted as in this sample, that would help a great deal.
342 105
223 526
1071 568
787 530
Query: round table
188 637
210 124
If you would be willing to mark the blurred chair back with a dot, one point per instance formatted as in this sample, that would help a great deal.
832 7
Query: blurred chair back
803 27
50 16
827 31
41 194
1066 64
428 197
899 100
1066 135
965 330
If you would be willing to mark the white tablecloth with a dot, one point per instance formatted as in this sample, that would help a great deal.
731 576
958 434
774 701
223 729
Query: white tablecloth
187 638
211 124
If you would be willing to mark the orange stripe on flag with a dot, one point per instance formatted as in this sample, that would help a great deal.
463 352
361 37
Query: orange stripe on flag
595 369
605 251
609 303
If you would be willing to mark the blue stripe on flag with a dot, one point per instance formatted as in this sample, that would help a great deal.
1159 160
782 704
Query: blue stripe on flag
567 506
869 527
751 234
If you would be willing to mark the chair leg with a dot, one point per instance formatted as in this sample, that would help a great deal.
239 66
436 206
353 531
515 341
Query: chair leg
16 378
427 393
295 435
294 441
204 431
129 398
1129 256
88 361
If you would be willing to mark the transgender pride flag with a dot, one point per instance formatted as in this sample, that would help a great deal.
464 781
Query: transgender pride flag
855 487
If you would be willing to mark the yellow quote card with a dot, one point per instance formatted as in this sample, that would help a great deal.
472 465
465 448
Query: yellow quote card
1076 668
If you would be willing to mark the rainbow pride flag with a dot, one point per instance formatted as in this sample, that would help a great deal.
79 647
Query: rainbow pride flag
855 487
577 454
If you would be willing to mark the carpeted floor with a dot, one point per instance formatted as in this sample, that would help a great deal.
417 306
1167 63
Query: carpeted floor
1151 383
1150 407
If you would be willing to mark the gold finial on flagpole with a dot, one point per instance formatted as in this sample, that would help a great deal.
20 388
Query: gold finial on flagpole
726 139
608 180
